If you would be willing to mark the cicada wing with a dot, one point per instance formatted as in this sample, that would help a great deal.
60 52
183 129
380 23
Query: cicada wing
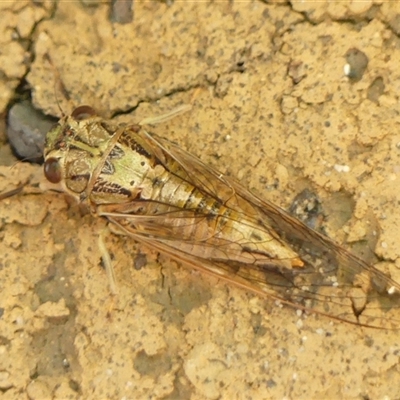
332 282
268 284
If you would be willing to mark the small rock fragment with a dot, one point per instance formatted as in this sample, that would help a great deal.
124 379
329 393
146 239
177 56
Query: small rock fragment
357 63
26 130
121 11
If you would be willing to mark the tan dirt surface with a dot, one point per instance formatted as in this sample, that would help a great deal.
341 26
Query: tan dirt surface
272 107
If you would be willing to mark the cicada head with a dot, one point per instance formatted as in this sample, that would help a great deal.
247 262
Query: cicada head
72 150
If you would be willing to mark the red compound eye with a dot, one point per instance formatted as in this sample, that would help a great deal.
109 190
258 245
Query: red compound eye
52 170
83 112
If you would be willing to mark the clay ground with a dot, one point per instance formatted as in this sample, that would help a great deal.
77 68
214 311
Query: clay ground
271 107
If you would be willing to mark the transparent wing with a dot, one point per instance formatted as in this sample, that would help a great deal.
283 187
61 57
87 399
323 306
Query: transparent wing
332 281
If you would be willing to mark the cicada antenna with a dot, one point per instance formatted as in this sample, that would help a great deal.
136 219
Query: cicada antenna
17 162
12 192
29 159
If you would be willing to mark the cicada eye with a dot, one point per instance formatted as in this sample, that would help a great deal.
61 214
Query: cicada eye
52 170
83 112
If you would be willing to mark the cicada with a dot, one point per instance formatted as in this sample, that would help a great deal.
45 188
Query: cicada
162 196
